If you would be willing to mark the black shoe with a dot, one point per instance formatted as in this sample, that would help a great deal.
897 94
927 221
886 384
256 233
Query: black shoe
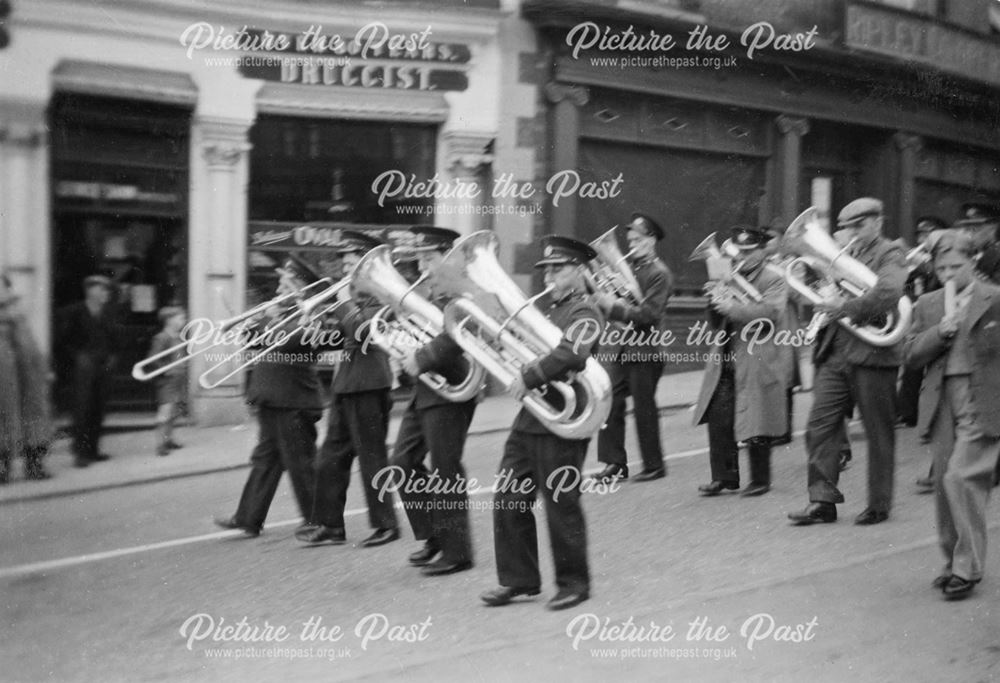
99 457
233 525
162 450
380 537
443 566
504 594
717 487
650 475
321 534
815 513
925 485
567 598
871 516
958 588
81 462
173 445
425 554
755 488
37 473
611 472
941 581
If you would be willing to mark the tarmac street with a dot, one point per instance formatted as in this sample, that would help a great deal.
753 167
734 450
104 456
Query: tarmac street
120 575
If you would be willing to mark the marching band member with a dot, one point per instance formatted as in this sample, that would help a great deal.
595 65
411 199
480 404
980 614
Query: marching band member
358 422
981 222
851 370
955 335
432 423
532 453
743 396
638 366
284 390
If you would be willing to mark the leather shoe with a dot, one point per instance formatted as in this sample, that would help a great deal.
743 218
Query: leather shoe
425 554
941 581
321 534
380 537
173 445
233 525
567 598
611 472
755 488
443 566
717 487
871 516
81 462
99 457
504 594
958 588
650 475
815 513
925 485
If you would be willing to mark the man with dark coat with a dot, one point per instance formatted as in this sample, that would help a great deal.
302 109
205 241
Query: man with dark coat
850 370
534 457
89 334
284 390
956 337
359 418
638 363
439 510
744 388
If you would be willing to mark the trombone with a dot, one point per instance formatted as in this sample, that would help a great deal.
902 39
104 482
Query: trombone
305 311
141 370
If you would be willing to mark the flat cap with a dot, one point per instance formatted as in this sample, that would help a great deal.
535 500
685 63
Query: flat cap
858 210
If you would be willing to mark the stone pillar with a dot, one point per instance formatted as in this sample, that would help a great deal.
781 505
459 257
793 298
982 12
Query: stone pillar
565 140
469 159
25 227
907 148
217 248
791 129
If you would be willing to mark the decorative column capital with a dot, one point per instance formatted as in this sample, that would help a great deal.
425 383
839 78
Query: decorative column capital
557 92
792 125
224 155
468 151
907 141
223 142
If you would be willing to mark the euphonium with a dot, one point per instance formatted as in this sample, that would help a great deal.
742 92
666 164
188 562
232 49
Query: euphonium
734 284
407 320
610 270
501 328
818 251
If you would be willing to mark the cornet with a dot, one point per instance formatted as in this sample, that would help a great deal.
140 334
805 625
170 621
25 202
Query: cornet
140 370
500 328
734 284
407 320
610 272
838 272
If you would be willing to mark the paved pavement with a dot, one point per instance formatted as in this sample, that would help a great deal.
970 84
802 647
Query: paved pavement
214 449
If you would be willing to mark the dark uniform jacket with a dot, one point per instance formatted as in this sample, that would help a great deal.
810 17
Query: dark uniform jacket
443 356
366 367
568 356
887 260
286 376
656 282
988 263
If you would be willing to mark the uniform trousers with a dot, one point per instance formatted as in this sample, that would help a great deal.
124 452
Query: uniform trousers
639 380
964 461
838 383
438 508
358 425
723 451
530 462
287 441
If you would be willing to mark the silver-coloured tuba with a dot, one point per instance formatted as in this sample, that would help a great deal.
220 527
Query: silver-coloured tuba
817 251
734 283
500 328
407 320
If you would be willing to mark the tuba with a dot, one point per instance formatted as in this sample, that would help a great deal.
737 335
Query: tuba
500 328
407 320
610 272
816 251
734 283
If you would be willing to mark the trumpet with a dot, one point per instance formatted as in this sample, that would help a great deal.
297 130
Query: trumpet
302 313
408 320
141 371
838 273
733 284
610 272
500 328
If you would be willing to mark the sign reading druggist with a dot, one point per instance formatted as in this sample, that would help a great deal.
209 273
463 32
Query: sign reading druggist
372 57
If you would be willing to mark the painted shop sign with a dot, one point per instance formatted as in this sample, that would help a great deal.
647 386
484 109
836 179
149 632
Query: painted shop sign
371 57
904 36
